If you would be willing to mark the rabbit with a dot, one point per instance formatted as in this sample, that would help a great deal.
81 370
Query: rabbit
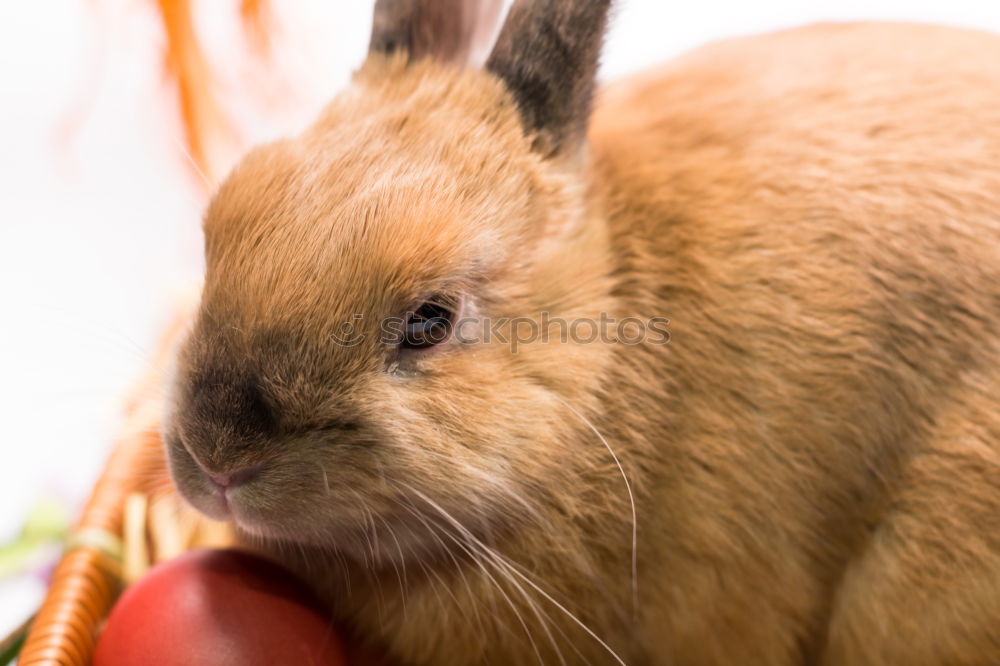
794 456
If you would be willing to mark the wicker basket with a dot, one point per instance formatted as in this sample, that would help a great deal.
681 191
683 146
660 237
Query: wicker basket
132 520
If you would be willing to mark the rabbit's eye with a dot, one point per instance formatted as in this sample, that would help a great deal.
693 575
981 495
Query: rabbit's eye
431 324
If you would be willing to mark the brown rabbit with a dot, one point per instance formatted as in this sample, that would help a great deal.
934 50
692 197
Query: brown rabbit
808 473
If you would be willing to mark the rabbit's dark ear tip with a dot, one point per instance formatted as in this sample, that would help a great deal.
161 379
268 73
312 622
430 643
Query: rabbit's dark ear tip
387 46
445 30
547 54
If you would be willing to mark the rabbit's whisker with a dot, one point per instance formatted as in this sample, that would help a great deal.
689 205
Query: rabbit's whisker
478 560
631 500
500 560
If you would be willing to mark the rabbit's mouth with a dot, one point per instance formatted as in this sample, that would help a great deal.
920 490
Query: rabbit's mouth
290 503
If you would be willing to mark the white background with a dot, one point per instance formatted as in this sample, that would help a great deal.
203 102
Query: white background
100 213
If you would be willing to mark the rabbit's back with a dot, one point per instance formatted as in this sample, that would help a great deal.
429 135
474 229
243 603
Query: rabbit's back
894 129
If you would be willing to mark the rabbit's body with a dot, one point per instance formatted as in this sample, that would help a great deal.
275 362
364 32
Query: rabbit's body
813 459
818 213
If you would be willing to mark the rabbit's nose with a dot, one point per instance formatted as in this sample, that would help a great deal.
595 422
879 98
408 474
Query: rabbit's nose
235 478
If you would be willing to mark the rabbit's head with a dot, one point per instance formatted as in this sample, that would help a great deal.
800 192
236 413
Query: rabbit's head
381 341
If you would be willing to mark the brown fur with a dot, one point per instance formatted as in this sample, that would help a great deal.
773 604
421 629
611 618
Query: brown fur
815 456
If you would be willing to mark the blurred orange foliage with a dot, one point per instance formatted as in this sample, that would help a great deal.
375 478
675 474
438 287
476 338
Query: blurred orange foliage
203 119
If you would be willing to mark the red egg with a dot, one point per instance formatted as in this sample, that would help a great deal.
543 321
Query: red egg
218 608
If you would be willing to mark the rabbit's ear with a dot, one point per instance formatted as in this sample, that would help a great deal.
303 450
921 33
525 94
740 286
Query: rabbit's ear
454 31
547 53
